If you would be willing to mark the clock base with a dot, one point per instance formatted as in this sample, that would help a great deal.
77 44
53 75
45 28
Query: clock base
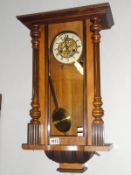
73 168
69 157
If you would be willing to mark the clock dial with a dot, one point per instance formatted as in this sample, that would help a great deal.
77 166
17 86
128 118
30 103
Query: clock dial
67 47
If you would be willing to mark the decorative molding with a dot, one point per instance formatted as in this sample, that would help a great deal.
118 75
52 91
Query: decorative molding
34 125
97 124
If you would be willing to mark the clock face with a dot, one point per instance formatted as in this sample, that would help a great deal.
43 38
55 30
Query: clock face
67 47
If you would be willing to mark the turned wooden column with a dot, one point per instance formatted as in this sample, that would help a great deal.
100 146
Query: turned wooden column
97 124
34 125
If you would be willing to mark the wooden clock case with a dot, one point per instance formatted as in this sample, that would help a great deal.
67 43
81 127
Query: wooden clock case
70 150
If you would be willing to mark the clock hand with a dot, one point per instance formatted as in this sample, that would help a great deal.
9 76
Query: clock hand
78 67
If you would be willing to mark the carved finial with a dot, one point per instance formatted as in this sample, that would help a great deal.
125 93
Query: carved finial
35 34
96 28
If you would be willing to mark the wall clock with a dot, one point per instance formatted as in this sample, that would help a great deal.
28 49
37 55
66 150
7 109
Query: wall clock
66 114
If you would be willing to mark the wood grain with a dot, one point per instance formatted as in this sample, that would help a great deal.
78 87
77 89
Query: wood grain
90 81
68 83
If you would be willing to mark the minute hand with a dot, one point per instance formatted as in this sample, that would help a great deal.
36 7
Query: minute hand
78 66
